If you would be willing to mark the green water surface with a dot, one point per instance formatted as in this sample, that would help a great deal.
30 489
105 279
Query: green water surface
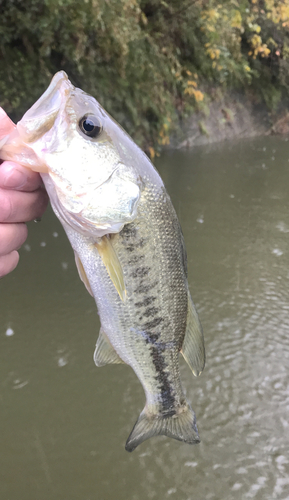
64 422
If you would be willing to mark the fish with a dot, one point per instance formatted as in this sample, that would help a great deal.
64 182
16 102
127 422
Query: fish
128 244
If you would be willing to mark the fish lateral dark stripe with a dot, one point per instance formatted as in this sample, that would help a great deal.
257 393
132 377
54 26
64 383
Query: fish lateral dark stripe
129 231
151 311
143 289
146 302
153 324
135 259
140 272
167 396
151 338
140 243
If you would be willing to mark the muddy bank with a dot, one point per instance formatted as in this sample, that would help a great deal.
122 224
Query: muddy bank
234 115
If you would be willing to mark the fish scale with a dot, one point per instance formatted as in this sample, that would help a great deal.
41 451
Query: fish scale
128 245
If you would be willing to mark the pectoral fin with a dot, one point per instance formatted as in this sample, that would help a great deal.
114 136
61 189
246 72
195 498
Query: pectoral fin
112 264
104 352
193 348
82 273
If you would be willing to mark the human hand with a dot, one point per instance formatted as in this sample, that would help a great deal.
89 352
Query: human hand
22 198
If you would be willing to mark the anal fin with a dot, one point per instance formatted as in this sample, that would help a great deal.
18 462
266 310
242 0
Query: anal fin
193 349
104 352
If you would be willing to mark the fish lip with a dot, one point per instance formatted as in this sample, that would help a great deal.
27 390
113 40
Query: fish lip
41 116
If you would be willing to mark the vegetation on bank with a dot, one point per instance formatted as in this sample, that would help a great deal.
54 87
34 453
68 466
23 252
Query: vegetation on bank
148 62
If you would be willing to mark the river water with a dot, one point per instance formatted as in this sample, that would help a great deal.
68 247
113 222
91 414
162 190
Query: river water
64 422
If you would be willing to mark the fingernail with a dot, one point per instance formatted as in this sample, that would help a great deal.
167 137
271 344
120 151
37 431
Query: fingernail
15 179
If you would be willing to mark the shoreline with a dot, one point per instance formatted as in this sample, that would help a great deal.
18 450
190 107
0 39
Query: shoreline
234 115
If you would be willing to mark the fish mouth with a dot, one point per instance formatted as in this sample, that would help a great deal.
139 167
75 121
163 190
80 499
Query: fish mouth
37 121
40 118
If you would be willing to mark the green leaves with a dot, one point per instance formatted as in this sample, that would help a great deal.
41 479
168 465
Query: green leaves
137 57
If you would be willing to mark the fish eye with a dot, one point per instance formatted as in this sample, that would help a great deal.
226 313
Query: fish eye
90 126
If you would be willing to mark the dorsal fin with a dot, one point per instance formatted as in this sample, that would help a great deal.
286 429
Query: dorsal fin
193 348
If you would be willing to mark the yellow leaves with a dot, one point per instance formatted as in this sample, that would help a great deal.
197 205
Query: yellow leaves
269 4
178 76
213 52
264 50
236 21
164 139
256 41
261 50
247 68
284 12
253 26
198 95
258 48
219 67
193 83
192 90
152 152
210 15
278 12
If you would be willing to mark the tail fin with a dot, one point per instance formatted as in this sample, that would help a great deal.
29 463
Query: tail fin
181 426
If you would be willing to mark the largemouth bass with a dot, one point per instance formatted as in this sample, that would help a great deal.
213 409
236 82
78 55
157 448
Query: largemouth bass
128 245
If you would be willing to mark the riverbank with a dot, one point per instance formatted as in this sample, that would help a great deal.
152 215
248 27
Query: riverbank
233 115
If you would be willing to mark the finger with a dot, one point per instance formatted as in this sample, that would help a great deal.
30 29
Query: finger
8 263
14 176
17 206
12 236
6 125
